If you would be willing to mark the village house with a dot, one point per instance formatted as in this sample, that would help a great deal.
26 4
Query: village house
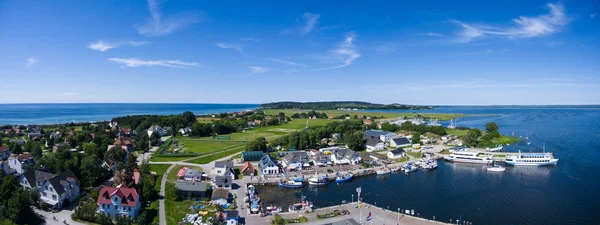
220 196
224 182
20 162
126 132
224 168
34 179
17 141
5 168
192 175
119 201
34 134
399 142
55 135
247 169
196 190
384 136
396 154
158 129
321 159
60 189
294 161
109 164
268 166
343 156
232 217
126 143
368 122
137 176
185 130
374 144
4 153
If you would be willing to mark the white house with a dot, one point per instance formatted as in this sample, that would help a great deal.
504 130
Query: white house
399 142
374 144
224 168
59 188
185 130
224 182
384 136
192 175
341 156
295 160
119 201
220 196
19 162
4 153
158 129
268 166
109 164
395 154
232 217
5 168
33 180
321 159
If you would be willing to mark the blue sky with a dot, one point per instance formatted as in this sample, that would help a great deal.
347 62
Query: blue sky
435 52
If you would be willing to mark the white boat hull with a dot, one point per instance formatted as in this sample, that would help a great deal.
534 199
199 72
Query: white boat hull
483 161
382 172
551 162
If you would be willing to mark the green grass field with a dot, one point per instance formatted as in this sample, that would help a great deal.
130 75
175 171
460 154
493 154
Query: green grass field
213 157
457 132
199 145
389 115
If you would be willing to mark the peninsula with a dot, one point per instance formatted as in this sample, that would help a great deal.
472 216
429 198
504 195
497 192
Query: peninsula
340 105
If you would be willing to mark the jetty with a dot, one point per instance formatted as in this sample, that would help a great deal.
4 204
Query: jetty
357 214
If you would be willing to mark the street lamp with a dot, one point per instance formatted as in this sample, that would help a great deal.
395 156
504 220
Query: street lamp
398 213
352 199
358 190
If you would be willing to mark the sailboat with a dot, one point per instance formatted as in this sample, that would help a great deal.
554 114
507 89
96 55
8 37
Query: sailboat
452 124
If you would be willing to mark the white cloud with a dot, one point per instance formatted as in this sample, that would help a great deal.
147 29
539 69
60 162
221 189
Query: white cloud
105 46
236 47
306 24
134 62
240 49
159 26
431 34
69 94
250 39
593 15
345 53
257 70
31 62
525 27
284 61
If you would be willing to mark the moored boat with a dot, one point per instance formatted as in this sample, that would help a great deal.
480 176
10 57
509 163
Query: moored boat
410 169
496 168
344 178
531 159
290 184
383 171
469 157
251 189
318 181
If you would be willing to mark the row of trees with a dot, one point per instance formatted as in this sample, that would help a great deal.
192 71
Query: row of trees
476 137
309 114
15 203
408 126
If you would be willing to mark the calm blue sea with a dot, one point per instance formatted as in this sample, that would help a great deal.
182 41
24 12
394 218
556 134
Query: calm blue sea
568 193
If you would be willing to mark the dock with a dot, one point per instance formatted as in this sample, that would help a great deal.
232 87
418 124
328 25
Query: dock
357 214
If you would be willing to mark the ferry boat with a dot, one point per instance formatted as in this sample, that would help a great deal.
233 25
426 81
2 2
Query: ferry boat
383 171
469 157
318 181
531 159
344 178
496 168
290 184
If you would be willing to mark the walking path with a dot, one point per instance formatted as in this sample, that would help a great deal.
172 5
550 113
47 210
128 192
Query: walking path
161 200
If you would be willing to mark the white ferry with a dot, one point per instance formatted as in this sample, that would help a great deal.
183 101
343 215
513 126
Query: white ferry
531 159
469 157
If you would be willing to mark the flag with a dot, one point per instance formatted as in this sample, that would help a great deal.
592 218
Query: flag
369 216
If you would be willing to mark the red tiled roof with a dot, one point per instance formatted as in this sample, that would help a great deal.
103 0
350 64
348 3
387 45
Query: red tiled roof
136 176
123 141
248 166
128 195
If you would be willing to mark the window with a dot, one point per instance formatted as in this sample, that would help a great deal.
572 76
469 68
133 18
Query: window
44 194
50 188
53 197
116 207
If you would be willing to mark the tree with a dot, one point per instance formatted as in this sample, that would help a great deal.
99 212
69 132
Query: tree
154 138
416 138
92 171
188 117
258 144
143 218
472 137
491 127
354 140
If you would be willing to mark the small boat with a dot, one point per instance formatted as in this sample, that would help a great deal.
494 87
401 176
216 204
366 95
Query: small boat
395 169
299 179
254 207
496 168
318 181
273 209
251 189
410 169
344 178
290 184
383 171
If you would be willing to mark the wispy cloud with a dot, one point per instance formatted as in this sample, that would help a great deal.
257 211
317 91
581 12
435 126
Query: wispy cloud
105 46
236 47
593 15
306 24
159 26
134 62
432 34
475 53
257 70
250 39
239 48
31 62
524 27
284 61
345 53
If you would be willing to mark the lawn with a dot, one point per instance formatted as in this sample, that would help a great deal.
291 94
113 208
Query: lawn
403 159
213 157
336 113
173 174
199 145
415 154
175 210
457 132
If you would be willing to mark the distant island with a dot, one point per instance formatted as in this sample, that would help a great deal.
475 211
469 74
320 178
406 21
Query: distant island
339 105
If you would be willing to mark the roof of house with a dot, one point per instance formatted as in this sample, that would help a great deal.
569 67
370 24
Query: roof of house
191 185
344 153
224 164
33 176
401 141
128 195
61 178
223 180
21 157
301 155
397 151
375 133
232 215
266 161
220 193
372 141
123 141
3 148
247 166
193 172
110 162
136 176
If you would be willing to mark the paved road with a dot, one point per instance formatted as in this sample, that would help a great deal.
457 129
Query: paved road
161 200
60 217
